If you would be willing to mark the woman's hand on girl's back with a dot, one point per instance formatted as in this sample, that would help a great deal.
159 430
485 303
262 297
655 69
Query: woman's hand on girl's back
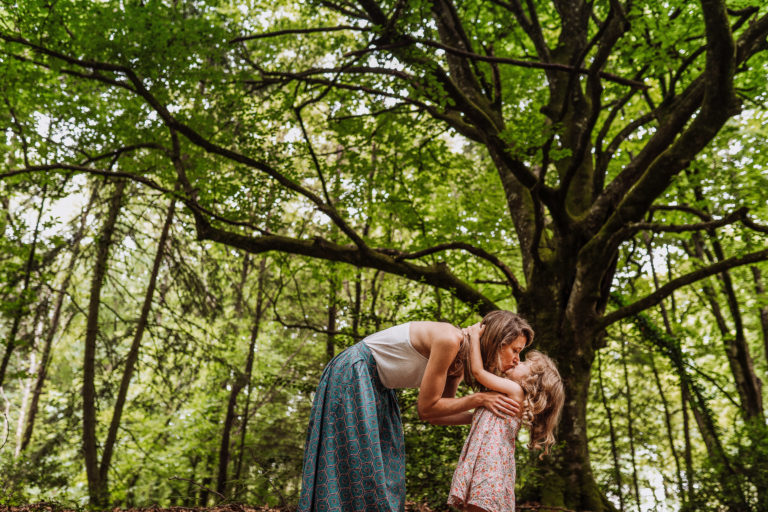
500 404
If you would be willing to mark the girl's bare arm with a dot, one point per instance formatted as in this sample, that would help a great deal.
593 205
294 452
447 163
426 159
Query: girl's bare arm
483 376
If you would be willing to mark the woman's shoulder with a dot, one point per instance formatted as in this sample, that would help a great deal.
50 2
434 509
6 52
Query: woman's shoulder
428 333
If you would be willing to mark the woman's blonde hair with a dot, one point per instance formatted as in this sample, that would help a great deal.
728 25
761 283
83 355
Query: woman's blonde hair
501 328
544 398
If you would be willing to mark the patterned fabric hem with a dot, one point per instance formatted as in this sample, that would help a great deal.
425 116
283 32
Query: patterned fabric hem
355 455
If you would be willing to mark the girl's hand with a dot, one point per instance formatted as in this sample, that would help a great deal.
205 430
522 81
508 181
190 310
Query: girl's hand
500 404
474 331
475 357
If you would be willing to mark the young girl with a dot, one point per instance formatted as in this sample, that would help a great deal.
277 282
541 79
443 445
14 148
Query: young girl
484 479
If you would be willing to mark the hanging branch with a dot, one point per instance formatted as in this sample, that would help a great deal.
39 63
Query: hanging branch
297 31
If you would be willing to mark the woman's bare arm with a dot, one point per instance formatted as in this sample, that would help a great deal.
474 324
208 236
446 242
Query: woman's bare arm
433 405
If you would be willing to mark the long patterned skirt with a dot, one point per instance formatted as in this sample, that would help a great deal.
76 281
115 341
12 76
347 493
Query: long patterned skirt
354 458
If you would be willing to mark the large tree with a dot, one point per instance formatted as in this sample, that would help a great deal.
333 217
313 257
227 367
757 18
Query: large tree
576 117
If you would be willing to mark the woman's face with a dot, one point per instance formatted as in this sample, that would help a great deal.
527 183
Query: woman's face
509 355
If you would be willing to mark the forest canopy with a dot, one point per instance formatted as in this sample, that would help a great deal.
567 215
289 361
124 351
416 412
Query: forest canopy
204 201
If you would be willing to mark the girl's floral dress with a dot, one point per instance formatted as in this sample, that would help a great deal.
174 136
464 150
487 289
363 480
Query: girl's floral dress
485 474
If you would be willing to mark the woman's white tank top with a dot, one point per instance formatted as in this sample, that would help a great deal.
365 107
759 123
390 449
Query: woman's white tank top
398 363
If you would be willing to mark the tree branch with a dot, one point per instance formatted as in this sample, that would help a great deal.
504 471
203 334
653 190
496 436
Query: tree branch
711 94
477 251
190 203
436 275
551 66
193 136
663 292
297 31
735 216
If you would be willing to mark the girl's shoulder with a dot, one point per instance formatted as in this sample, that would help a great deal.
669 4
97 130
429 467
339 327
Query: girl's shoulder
515 391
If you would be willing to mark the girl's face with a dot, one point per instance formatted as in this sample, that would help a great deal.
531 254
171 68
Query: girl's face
519 372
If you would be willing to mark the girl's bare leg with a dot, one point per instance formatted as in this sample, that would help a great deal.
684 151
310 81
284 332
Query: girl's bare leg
473 508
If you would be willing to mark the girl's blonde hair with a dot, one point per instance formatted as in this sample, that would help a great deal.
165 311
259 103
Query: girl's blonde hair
544 398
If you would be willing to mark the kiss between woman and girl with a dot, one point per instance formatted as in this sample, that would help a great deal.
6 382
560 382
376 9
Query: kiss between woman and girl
354 458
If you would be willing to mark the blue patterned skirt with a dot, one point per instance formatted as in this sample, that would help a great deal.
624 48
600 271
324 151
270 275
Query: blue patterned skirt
355 454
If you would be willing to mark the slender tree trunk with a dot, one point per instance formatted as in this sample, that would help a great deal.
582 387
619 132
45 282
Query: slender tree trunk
42 369
130 495
742 367
357 304
27 382
330 341
668 423
746 382
689 474
260 307
630 422
729 479
133 355
224 447
760 290
18 312
612 433
736 347
659 387
90 452
189 499
438 304
375 295
240 381
204 485
239 292
26 399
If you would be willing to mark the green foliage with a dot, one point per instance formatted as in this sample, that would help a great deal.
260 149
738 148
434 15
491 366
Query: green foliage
398 160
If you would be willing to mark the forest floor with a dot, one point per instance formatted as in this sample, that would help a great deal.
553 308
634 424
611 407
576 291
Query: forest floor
55 507
409 507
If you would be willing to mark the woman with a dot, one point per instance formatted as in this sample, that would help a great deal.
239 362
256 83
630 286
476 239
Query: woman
354 457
